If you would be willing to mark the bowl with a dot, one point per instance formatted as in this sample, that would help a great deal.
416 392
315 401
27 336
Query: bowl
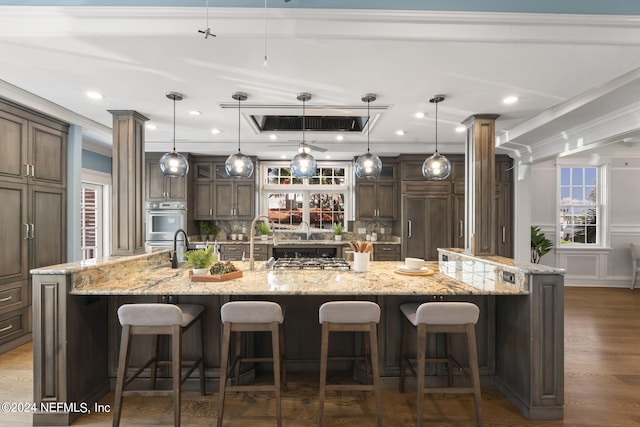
414 263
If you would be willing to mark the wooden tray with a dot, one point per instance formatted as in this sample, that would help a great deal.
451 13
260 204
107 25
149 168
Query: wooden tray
427 272
214 277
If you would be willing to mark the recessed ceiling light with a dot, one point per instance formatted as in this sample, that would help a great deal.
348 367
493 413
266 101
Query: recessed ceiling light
150 126
510 100
339 138
273 137
400 132
194 113
215 131
283 156
419 115
460 129
94 95
327 156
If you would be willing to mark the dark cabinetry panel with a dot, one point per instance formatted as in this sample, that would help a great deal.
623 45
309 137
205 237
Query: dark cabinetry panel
159 187
377 199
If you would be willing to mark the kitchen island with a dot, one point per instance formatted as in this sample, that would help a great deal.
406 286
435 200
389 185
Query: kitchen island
519 333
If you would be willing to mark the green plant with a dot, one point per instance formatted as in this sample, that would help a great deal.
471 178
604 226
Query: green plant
263 228
337 228
200 258
208 228
540 245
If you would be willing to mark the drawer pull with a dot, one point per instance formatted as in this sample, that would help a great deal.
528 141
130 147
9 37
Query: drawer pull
9 298
6 328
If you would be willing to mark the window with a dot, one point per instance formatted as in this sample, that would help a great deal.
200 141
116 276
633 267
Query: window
581 202
319 201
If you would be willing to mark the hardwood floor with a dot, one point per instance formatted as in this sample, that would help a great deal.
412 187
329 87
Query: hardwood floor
602 385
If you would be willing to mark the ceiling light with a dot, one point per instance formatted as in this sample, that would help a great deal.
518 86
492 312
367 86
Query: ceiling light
303 165
368 165
339 137
436 167
238 165
95 95
194 113
400 132
150 126
273 137
207 32
510 100
419 115
173 164
461 129
283 156
215 131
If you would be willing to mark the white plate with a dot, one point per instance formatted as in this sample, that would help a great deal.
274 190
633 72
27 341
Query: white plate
403 267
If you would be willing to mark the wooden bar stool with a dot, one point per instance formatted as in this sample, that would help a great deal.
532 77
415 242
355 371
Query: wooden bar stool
350 316
441 317
158 319
252 316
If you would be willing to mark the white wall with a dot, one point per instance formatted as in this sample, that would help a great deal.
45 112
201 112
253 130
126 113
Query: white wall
608 266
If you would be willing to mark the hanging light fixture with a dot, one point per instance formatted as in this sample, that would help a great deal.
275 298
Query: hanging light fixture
436 167
303 165
368 165
238 165
173 164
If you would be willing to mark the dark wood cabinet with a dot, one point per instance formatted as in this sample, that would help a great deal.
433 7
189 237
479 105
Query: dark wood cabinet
33 175
377 199
159 187
386 252
426 225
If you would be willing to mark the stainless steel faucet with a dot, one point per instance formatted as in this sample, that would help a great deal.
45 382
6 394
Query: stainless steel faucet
252 235
174 257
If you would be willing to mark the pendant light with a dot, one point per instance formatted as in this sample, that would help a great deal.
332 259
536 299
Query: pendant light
303 165
173 164
436 167
238 165
368 165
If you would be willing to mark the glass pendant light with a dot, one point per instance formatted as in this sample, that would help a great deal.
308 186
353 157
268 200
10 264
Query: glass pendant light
238 165
173 164
436 167
368 165
303 165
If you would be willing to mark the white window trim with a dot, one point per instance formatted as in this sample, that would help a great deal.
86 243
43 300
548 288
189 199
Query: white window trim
347 189
104 179
603 200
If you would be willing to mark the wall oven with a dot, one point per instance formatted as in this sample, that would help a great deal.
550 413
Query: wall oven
163 219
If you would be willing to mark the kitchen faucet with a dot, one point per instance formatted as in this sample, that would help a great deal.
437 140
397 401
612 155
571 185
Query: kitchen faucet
174 257
252 235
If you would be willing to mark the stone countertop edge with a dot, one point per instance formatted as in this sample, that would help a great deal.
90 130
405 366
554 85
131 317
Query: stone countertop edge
506 263
153 259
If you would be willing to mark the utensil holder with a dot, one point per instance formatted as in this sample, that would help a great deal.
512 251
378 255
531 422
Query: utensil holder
361 261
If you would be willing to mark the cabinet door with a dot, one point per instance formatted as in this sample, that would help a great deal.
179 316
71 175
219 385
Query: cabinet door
458 226
154 188
504 246
366 200
386 201
203 171
176 188
244 199
203 200
48 216
223 207
438 216
13 232
414 227
13 147
48 155
426 225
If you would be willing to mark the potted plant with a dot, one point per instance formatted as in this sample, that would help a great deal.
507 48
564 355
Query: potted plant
540 245
263 229
200 259
337 230
208 230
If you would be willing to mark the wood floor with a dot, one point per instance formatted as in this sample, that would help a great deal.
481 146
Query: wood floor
602 384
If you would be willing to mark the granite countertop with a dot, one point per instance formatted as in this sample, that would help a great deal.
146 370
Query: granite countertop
291 242
505 263
380 280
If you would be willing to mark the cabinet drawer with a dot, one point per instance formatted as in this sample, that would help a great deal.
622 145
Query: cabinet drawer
13 325
13 296
379 249
260 249
233 249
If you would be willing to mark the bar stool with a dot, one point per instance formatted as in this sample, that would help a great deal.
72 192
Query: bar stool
158 319
441 317
252 316
350 316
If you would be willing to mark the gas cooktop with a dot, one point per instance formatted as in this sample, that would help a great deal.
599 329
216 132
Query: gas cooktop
311 264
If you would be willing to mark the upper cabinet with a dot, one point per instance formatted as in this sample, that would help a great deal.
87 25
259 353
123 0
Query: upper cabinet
377 199
159 187
33 152
218 196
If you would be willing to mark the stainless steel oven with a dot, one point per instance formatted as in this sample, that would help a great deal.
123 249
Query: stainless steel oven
163 219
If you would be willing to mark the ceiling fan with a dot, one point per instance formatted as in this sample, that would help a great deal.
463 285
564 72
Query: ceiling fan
207 32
